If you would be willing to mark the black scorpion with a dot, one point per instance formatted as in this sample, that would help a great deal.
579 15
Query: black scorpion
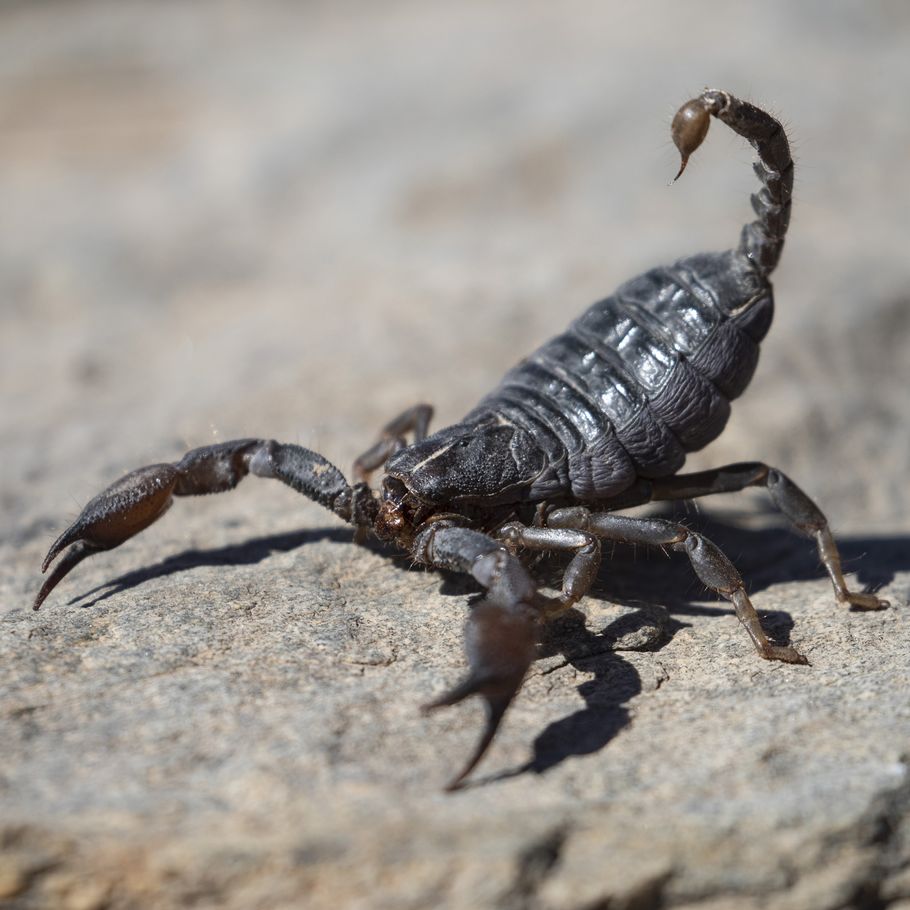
598 419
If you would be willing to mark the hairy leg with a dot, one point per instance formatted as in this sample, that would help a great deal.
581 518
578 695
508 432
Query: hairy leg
802 512
710 564
415 419
582 569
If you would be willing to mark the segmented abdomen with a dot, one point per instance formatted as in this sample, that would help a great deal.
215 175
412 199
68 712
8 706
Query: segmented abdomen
641 378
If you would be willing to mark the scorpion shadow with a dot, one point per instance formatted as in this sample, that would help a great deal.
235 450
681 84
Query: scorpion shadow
764 556
248 553
613 683
659 589
629 576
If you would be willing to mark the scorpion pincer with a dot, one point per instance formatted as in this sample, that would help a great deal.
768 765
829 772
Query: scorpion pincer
598 419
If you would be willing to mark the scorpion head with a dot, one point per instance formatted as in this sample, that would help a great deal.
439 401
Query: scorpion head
488 463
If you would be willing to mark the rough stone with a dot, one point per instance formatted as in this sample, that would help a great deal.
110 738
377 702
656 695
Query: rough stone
292 221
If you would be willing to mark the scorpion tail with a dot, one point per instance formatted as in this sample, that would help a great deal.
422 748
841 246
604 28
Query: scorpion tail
763 239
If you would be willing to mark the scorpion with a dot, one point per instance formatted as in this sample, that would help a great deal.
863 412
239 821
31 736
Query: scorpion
598 419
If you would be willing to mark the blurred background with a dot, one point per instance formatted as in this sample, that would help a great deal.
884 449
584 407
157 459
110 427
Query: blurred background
294 219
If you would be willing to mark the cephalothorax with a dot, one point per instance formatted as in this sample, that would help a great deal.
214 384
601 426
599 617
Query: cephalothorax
598 419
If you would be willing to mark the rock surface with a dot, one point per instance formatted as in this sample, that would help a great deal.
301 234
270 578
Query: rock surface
285 220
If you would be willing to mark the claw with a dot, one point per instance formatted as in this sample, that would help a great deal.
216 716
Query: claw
69 561
501 645
113 516
141 497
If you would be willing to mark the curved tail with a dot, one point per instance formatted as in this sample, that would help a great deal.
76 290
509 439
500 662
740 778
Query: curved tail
763 239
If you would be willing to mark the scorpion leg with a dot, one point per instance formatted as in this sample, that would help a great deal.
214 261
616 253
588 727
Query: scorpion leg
581 571
709 563
501 631
141 497
799 509
415 419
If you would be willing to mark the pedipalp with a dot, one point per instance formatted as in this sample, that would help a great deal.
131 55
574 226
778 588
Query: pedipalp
140 498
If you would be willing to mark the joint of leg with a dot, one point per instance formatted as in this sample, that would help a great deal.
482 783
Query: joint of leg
573 517
216 468
505 578
793 502
810 528
681 541
511 533
712 566
364 506
551 607
423 549
259 461
488 567
591 547
762 472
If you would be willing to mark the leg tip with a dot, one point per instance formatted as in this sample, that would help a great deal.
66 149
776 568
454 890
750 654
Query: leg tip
864 602
785 654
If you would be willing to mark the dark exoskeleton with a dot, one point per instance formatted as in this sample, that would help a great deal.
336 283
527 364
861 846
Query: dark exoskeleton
598 419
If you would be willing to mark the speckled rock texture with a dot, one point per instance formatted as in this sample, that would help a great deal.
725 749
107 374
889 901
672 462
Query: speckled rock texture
293 220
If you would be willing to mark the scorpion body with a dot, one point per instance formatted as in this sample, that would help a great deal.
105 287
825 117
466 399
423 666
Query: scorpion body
642 377
598 419
636 382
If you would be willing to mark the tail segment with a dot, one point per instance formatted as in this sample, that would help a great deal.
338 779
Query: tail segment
763 239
